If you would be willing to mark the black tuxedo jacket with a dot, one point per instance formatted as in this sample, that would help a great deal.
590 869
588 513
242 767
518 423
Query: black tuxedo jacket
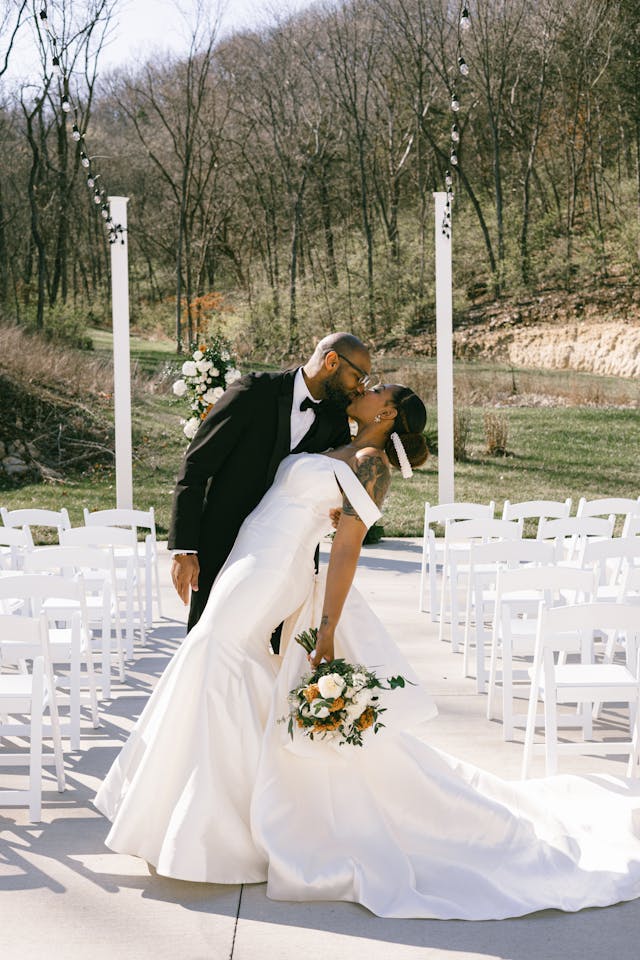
231 463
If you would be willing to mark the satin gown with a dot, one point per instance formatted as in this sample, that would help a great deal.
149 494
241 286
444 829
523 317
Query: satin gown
209 786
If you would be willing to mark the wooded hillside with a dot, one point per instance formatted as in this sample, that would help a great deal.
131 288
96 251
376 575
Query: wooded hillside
286 174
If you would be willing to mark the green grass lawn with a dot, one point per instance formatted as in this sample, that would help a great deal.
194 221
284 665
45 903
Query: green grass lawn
554 452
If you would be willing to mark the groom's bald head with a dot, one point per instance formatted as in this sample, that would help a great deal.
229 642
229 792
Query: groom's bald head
340 343
336 368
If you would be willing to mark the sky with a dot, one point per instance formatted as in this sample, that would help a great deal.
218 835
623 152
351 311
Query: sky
141 28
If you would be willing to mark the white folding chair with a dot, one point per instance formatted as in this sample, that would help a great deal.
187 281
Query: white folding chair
101 589
59 519
631 527
148 553
536 510
125 551
433 547
607 558
518 594
569 533
570 630
458 537
484 562
630 585
15 543
62 601
624 507
24 700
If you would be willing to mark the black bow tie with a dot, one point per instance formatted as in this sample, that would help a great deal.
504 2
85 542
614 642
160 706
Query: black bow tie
309 404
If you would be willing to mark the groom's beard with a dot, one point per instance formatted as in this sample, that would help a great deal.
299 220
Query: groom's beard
335 394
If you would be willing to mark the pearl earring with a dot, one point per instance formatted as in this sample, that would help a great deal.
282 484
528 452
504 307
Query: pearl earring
377 418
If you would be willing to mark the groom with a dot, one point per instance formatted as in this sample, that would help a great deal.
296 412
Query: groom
233 458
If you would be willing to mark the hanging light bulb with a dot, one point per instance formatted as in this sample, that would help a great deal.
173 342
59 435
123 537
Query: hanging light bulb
465 19
105 211
455 133
55 67
454 158
84 160
66 106
463 66
455 103
75 133
91 182
448 179
97 199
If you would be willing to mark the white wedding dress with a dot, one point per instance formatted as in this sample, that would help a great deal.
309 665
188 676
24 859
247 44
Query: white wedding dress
209 786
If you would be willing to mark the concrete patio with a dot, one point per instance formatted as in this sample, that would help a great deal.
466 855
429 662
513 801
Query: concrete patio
64 896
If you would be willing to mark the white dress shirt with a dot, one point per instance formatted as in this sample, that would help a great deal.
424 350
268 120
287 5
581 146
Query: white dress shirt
301 420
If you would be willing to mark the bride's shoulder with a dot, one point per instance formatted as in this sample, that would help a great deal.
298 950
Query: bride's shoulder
371 466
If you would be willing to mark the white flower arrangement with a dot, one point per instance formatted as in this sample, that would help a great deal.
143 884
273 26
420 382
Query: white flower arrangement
204 379
339 701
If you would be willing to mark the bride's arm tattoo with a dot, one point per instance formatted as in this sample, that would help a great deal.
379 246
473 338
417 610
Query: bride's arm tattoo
375 477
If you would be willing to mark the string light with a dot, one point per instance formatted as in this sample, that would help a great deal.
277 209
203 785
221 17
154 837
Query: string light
115 231
463 69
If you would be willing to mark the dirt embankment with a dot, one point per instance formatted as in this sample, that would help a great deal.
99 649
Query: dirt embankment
595 331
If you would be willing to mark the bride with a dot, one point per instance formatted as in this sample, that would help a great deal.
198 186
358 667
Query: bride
209 786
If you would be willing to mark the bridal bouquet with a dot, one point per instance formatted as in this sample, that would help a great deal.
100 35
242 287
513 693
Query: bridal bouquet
338 701
204 379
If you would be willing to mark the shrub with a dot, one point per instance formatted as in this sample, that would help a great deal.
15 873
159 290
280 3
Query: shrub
461 431
496 432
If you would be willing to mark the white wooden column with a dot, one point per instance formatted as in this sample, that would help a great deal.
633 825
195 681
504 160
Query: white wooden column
444 353
121 356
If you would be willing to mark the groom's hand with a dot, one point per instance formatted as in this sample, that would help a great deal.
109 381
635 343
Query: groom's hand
185 571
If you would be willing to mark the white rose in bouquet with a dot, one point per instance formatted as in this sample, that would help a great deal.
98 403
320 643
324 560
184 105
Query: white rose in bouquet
198 355
204 365
217 393
319 710
331 686
214 372
358 681
191 427
232 375
179 388
362 699
189 369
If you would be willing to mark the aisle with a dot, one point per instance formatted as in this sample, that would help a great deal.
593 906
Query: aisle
65 896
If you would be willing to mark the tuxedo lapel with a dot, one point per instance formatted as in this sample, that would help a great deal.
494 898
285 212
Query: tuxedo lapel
283 427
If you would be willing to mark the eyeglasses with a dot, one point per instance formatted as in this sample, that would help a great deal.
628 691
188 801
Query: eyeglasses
367 380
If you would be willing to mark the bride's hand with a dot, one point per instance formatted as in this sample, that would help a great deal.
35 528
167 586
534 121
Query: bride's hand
324 647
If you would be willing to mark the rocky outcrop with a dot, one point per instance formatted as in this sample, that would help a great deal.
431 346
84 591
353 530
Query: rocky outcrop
595 331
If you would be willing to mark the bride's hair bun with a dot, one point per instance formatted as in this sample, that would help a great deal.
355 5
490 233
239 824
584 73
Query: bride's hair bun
409 424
